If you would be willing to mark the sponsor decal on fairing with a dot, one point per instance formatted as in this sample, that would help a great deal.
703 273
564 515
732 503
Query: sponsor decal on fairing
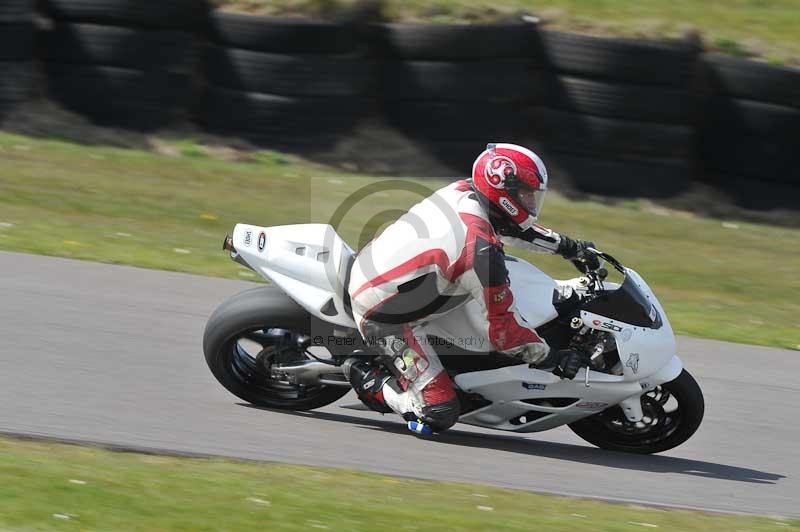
534 386
633 362
591 405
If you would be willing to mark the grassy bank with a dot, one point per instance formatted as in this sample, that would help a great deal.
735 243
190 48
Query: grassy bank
727 280
767 29
62 487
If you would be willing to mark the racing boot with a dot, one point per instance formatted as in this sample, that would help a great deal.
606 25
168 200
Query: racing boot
377 389
368 382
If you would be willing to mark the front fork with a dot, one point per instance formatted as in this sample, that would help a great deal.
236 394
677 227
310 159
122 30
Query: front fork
632 407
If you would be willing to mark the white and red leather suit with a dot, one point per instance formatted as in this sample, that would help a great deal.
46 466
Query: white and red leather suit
437 256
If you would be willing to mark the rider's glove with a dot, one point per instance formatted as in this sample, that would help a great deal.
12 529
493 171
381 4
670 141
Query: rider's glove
532 353
568 362
578 252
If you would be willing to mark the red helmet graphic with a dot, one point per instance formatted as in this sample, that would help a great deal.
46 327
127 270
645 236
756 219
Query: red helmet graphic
513 179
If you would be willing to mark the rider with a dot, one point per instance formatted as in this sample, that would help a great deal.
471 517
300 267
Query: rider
444 251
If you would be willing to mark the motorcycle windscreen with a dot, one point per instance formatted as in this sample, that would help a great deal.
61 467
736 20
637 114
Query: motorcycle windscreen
627 304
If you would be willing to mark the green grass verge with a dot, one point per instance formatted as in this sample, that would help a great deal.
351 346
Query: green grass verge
727 280
761 27
63 487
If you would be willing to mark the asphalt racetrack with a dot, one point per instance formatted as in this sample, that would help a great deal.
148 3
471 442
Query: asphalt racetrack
113 355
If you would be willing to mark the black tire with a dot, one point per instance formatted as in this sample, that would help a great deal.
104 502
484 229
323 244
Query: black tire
458 41
648 178
755 80
502 80
184 14
117 96
684 422
590 135
762 196
278 35
728 116
289 75
257 309
621 60
16 10
16 41
625 101
279 119
119 47
90 82
773 160
16 83
455 121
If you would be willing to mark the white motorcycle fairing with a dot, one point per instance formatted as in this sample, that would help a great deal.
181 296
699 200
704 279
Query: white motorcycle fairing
309 262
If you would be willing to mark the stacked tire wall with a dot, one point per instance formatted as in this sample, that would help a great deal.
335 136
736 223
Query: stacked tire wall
618 114
120 62
285 82
452 87
750 130
619 117
16 53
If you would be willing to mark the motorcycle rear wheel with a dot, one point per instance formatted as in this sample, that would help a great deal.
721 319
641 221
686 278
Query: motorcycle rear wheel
666 424
238 325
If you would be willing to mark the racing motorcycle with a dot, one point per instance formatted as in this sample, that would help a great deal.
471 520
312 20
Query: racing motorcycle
281 345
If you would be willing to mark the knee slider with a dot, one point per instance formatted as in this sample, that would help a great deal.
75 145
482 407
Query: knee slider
443 415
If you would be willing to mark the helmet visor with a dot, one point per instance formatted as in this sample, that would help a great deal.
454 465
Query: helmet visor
532 200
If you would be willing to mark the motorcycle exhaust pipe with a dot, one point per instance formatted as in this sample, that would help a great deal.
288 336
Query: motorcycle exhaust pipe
310 372
227 245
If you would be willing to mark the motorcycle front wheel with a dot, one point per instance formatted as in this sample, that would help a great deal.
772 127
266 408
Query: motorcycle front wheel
235 342
672 411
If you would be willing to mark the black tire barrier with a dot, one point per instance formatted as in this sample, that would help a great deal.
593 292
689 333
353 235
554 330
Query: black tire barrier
458 41
120 96
16 41
624 101
278 35
289 75
456 121
16 10
590 135
174 14
613 103
501 80
750 129
119 47
16 83
754 157
648 178
280 120
756 195
669 64
728 116
754 80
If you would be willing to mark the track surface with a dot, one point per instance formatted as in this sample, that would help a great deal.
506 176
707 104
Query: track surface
112 354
